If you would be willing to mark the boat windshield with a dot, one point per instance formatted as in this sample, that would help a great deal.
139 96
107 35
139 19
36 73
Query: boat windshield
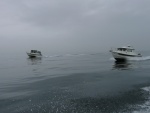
125 49
122 49
33 51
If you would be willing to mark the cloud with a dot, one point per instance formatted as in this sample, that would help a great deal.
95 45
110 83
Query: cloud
79 24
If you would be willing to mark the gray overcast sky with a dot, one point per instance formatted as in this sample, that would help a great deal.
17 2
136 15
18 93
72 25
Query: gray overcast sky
56 26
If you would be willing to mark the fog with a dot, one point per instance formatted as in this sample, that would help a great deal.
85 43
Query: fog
73 26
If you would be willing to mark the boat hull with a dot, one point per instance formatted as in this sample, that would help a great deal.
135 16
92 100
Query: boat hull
33 55
123 57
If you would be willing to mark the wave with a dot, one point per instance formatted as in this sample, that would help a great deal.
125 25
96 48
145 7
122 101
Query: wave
66 55
145 108
136 58
140 58
74 54
112 59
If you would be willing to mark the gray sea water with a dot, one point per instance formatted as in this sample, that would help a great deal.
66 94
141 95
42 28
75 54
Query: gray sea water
74 83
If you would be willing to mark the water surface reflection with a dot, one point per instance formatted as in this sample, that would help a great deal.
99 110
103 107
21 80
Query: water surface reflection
122 65
34 61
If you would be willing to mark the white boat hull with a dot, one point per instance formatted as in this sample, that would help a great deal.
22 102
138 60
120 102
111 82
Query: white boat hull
125 53
33 55
122 57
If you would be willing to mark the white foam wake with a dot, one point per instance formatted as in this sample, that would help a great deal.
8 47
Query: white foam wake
65 55
140 58
111 58
136 58
145 108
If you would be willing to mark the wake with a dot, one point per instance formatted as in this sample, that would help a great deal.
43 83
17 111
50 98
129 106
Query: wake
140 58
144 108
65 55
144 58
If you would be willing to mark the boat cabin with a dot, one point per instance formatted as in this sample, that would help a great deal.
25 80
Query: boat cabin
126 49
35 51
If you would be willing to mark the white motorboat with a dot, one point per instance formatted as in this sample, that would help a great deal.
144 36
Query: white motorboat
34 53
124 53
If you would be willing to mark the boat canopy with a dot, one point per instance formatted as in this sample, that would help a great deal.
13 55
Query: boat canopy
35 51
126 48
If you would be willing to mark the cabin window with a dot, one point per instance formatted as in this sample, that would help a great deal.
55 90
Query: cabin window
129 50
33 51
